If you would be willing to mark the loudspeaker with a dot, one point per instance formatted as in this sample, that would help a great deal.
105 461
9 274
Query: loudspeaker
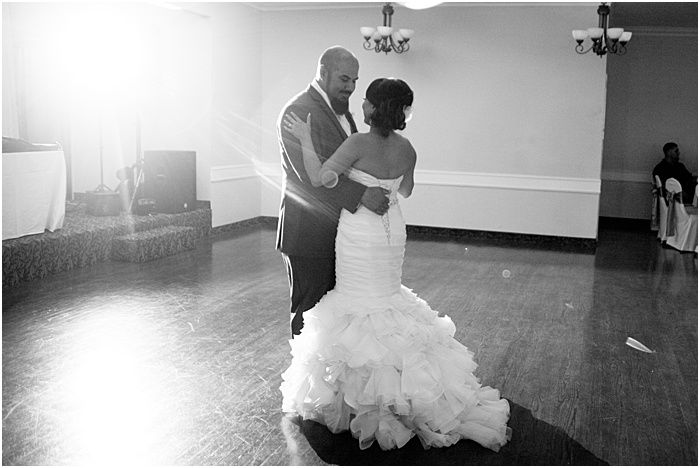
169 178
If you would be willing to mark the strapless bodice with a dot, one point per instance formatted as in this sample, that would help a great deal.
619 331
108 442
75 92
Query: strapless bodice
371 181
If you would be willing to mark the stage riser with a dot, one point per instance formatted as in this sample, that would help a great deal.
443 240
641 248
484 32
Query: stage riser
150 245
85 240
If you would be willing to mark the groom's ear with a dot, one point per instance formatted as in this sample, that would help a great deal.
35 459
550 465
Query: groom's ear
323 73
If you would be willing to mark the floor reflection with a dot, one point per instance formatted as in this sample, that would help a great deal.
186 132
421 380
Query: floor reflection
649 293
108 389
178 361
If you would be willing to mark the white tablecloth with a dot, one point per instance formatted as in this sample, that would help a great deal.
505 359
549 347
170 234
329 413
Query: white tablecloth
33 192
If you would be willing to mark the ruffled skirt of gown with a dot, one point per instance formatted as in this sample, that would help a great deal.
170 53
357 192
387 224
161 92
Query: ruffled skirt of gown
376 359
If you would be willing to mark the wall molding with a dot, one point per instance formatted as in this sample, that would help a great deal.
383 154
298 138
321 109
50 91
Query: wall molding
233 172
439 178
508 181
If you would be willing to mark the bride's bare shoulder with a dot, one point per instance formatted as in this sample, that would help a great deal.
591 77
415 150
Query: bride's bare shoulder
405 143
403 139
356 138
359 136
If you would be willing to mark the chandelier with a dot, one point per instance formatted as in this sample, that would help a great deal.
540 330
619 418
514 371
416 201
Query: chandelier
605 40
385 37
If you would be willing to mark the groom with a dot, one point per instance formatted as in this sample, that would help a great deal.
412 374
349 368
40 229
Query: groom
308 218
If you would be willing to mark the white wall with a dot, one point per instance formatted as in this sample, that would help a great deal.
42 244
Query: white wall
508 120
501 97
652 99
233 185
176 114
33 104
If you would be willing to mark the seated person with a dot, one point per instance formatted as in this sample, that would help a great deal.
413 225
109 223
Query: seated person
671 167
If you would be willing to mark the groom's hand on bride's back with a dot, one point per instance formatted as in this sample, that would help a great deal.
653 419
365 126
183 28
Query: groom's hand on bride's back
376 200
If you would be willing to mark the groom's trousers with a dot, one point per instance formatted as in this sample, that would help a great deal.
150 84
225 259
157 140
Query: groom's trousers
309 280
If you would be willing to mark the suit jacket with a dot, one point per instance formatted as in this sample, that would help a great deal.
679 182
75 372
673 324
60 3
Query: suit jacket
308 218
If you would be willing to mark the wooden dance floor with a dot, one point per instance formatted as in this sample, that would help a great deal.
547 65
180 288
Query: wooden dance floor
177 361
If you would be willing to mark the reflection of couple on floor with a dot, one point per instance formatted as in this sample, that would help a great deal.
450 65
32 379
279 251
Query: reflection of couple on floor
371 357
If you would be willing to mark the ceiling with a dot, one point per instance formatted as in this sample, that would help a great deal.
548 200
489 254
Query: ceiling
623 14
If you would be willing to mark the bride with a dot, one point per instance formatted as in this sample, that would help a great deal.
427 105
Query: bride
372 356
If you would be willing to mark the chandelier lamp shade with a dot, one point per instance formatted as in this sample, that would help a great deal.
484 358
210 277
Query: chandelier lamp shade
604 40
385 37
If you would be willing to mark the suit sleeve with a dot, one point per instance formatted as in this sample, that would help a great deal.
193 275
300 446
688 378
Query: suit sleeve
347 193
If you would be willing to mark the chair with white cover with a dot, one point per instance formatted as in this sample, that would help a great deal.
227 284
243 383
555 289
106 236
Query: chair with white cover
682 221
661 208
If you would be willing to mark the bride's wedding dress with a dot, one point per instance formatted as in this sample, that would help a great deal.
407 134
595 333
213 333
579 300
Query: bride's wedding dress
376 359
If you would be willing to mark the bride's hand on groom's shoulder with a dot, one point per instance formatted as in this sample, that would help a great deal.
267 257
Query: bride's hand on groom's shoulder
296 126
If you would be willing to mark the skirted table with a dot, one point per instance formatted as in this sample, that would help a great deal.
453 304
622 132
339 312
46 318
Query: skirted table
33 192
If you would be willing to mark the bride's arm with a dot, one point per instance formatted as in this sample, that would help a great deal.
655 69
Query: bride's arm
406 187
339 162
320 174
302 130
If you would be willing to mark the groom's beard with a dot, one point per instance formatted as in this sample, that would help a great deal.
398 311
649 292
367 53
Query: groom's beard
339 107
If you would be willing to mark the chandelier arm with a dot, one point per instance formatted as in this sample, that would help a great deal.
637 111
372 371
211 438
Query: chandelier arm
400 48
598 47
580 50
385 46
392 44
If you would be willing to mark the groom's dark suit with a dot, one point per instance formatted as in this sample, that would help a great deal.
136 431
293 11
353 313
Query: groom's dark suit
308 218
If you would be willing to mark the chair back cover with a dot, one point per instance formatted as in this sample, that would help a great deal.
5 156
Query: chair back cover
655 202
681 227
662 207
672 185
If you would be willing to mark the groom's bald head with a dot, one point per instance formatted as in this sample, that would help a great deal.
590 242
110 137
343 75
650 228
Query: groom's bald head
337 75
333 58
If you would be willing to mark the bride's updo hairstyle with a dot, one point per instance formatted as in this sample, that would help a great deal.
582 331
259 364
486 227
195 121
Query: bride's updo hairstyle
390 97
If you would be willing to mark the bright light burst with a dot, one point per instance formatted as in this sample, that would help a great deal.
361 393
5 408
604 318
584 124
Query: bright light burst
112 395
101 55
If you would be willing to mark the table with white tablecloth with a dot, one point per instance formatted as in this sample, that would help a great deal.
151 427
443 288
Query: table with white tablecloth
33 192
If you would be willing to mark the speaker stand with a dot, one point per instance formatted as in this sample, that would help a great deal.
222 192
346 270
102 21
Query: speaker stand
102 201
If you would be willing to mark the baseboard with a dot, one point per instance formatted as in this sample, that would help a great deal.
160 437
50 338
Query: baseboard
437 233
534 241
